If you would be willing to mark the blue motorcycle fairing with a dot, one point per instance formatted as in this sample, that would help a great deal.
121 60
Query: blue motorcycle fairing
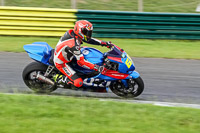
90 82
123 68
104 77
98 77
133 74
126 63
93 55
39 51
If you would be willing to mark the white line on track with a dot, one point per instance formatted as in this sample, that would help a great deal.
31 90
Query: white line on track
157 103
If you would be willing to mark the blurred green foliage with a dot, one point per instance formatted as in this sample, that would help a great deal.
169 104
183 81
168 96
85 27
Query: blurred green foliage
185 6
40 3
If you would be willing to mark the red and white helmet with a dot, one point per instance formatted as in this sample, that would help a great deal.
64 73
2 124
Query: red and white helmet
83 29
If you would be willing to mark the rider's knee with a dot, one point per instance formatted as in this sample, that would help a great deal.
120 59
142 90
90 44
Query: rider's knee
59 66
78 82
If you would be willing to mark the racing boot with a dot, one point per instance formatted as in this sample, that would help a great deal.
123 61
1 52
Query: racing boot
62 80
59 78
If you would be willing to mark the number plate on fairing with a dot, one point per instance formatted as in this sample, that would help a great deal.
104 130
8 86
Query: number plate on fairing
128 62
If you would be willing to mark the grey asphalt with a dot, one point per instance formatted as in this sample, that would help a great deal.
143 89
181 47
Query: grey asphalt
166 80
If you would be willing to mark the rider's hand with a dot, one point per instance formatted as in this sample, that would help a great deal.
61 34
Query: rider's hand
107 44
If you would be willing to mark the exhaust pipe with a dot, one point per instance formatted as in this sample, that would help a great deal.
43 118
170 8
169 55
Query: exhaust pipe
44 79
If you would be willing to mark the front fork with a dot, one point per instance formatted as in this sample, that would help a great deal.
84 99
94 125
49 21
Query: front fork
132 75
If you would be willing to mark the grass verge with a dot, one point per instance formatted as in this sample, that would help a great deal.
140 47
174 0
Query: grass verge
50 114
182 49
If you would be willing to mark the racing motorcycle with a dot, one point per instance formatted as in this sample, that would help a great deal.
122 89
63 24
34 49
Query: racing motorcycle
119 76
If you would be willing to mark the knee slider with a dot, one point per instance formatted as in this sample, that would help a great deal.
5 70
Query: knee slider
78 82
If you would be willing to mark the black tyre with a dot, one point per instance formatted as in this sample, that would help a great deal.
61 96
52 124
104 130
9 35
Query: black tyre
29 77
135 88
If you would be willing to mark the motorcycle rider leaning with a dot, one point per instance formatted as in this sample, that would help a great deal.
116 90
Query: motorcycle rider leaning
69 46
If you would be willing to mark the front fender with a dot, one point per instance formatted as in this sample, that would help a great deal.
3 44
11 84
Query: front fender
134 75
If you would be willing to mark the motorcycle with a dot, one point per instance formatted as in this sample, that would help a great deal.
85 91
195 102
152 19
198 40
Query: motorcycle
119 76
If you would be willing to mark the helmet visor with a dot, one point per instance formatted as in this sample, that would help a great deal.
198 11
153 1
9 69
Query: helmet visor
89 34
86 32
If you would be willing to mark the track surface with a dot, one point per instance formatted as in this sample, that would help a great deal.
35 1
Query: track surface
166 80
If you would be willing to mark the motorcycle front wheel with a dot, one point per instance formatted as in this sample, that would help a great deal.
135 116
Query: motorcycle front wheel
134 89
29 76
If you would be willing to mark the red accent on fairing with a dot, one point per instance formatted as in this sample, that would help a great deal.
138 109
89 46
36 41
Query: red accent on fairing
114 58
115 74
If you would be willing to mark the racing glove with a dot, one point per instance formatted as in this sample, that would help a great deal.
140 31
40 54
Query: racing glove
107 44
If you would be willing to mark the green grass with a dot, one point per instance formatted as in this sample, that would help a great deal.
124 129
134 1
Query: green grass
186 6
56 114
134 47
40 3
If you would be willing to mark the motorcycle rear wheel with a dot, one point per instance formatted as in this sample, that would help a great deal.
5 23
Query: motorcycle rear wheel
29 77
135 88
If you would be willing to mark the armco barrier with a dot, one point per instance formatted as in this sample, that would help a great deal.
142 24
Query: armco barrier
35 21
143 25
54 22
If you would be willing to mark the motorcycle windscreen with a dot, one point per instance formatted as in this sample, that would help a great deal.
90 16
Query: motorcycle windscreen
115 52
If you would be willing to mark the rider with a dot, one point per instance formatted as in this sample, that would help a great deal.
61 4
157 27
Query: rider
68 47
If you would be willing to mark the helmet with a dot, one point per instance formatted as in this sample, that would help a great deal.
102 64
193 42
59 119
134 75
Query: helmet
83 29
